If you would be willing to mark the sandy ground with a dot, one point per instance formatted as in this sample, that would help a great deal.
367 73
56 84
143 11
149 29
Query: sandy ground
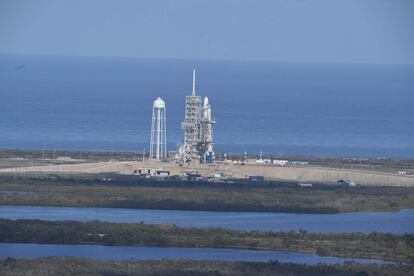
289 173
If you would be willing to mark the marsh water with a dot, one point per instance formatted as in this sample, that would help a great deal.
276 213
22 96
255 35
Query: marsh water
393 222
101 252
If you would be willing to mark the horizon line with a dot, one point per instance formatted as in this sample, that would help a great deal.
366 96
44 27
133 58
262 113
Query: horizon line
208 59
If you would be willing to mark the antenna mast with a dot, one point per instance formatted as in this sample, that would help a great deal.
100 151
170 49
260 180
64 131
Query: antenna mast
194 76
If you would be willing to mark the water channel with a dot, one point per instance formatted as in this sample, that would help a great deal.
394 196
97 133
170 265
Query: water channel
101 252
392 222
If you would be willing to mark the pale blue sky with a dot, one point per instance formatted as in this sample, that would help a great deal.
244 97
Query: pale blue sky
351 31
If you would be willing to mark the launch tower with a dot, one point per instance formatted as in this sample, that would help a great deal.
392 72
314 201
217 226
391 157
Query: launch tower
198 130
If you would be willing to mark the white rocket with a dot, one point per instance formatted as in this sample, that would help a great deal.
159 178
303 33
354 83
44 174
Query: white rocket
208 129
207 109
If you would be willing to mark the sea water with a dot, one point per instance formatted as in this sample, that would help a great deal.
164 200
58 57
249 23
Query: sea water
97 103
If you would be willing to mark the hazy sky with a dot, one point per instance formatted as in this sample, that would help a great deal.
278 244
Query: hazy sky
352 31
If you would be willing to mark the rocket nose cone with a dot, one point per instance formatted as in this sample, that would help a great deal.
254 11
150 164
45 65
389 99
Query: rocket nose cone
205 101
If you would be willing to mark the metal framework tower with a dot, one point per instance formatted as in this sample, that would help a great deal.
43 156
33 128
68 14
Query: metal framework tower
191 126
158 145
198 131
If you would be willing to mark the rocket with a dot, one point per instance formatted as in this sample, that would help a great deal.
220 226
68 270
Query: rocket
209 155
207 109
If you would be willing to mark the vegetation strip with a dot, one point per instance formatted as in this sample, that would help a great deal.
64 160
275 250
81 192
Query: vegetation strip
398 248
371 163
77 266
132 192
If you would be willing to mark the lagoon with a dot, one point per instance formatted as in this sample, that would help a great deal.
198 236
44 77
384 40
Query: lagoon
102 252
390 222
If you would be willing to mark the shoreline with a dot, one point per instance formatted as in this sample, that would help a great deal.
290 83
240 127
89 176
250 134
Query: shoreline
84 266
37 152
381 246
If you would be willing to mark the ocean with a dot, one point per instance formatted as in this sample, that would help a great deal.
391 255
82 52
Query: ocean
104 103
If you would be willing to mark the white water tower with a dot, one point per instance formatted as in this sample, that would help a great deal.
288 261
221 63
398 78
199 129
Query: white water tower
158 146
